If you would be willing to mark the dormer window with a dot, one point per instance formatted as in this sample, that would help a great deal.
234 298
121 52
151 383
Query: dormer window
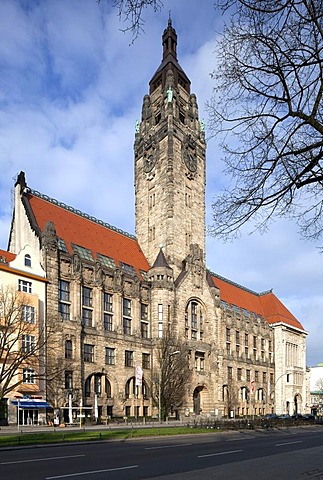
27 260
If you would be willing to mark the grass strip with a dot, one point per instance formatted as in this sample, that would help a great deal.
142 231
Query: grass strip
63 436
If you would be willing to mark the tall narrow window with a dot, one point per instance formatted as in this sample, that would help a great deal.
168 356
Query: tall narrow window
64 299
68 349
144 320
108 311
87 311
126 316
68 379
160 320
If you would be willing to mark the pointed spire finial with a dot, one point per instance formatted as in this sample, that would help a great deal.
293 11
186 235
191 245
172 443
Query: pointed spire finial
169 19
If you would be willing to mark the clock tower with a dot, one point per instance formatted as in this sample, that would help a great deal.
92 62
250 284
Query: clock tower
170 164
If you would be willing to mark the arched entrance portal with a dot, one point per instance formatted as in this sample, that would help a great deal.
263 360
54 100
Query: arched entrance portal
202 403
297 403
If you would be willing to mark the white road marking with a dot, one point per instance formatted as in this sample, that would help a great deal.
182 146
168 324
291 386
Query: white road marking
220 453
41 459
287 443
93 472
168 446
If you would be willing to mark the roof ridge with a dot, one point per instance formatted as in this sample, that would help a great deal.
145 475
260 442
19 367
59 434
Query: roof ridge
240 286
79 212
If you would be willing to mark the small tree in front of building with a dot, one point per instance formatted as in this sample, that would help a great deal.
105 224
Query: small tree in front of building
171 375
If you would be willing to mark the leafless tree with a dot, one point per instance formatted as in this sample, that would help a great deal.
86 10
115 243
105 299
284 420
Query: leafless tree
171 375
267 109
131 13
24 341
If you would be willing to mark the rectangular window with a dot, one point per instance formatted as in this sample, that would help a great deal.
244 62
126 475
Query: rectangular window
64 310
29 376
97 384
229 373
87 312
199 361
87 317
63 291
237 337
88 355
109 356
126 313
24 286
146 360
28 314
28 343
160 320
264 377
68 349
128 358
194 315
127 325
256 376
86 297
248 375
144 329
143 312
68 379
239 373
227 333
107 302
108 322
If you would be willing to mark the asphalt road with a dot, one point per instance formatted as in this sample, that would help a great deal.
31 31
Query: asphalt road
283 455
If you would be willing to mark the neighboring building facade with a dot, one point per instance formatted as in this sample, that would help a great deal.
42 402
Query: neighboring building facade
111 296
316 389
22 325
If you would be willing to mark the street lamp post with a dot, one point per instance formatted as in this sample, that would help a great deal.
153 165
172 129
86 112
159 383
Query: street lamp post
160 382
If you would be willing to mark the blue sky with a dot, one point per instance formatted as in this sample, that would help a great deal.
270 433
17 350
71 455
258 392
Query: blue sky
71 90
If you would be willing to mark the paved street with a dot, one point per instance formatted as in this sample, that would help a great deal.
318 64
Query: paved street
284 454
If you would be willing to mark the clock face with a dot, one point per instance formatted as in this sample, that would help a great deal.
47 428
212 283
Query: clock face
190 161
149 162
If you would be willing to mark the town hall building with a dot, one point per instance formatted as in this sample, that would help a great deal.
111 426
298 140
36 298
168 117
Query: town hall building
111 296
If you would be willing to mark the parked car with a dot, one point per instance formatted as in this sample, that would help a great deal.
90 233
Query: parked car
309 417
284 416
270 416
297 416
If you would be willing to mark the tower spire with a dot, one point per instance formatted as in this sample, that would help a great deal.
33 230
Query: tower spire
169 62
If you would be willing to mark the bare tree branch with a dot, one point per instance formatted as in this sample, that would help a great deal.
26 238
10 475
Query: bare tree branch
267 108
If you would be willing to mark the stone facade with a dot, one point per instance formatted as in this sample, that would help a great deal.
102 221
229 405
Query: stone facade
111 296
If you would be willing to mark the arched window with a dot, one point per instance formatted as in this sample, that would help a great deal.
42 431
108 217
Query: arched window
194 321
27 260
130 388
108 388
87 387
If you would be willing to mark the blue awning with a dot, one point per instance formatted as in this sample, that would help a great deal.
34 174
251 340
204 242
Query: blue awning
30 403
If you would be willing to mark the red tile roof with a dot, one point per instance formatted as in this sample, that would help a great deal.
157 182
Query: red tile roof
75 228
265 304
8 256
